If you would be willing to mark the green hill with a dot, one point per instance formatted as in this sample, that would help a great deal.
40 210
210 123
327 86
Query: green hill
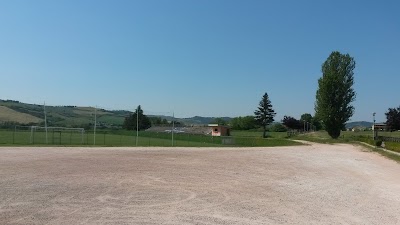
15 112
359 124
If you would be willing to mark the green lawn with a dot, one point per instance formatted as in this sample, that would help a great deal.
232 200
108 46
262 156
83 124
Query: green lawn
128 138
259 134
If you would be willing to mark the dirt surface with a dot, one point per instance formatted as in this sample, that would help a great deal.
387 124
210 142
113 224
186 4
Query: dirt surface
317 184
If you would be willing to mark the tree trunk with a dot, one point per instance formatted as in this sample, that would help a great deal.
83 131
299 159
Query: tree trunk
334 133
265 132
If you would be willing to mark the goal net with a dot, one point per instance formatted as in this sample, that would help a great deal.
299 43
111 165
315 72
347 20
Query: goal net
56 135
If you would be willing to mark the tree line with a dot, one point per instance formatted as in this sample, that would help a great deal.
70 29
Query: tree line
333 105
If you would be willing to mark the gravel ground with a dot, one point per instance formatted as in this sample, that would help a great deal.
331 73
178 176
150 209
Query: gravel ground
314 184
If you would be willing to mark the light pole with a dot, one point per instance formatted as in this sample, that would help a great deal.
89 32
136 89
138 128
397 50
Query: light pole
173 127
373 126
137 125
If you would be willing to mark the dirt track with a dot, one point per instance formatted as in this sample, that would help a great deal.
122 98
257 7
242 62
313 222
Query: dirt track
318 184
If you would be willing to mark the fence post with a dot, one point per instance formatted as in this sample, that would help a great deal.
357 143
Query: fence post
15 129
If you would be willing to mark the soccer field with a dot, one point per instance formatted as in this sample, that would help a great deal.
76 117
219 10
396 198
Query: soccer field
309 184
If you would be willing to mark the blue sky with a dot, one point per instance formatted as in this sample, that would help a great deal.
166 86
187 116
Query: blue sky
206 58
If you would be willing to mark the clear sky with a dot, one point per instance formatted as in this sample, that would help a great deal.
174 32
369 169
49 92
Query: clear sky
206 58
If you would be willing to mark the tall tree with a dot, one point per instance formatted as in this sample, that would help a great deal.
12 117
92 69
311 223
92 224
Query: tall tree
316 122
307 121
264 115
158 121
291 123
306 117
393 119
219 121
335 93
137 118
243 123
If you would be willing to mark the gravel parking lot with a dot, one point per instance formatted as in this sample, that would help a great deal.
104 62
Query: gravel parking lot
311 184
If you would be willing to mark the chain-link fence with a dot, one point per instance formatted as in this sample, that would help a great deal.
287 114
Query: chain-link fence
37 136
32 135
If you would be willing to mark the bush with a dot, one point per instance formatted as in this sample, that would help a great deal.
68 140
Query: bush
378 143
277 127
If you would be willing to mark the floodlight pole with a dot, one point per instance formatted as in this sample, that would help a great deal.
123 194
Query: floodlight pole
95 124
373 126
173 127
45 119
137 125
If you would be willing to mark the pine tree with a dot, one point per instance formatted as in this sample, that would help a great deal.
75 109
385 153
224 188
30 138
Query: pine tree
264 115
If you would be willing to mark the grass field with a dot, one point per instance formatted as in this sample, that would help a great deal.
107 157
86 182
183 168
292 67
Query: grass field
128 138
257 134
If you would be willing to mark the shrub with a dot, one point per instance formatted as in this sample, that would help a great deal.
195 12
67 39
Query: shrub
277 127
378 143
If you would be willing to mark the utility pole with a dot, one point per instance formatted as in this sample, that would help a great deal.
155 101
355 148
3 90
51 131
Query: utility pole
45 120
95 124
137 125
373 126
173 127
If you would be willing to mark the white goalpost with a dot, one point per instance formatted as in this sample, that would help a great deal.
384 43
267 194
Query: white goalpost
75 135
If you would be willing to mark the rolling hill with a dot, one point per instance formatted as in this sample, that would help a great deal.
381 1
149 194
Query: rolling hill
69 116
15 112
359 124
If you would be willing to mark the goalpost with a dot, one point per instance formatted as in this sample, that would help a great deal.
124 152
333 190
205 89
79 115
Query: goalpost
75 135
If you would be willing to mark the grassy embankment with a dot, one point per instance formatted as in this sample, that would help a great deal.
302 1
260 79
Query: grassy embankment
356 137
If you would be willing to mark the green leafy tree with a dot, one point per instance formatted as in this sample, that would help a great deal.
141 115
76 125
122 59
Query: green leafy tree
219 121
393 119
335 93
131 121
264 115
306 117
157 121
277 127
316 122
292 123
243 123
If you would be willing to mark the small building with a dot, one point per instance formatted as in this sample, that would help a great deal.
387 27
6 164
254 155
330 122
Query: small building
219 130
379 126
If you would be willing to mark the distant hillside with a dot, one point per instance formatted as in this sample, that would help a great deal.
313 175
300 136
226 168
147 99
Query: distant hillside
70 116
196 120
8 114
74 116
204 120
358 124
